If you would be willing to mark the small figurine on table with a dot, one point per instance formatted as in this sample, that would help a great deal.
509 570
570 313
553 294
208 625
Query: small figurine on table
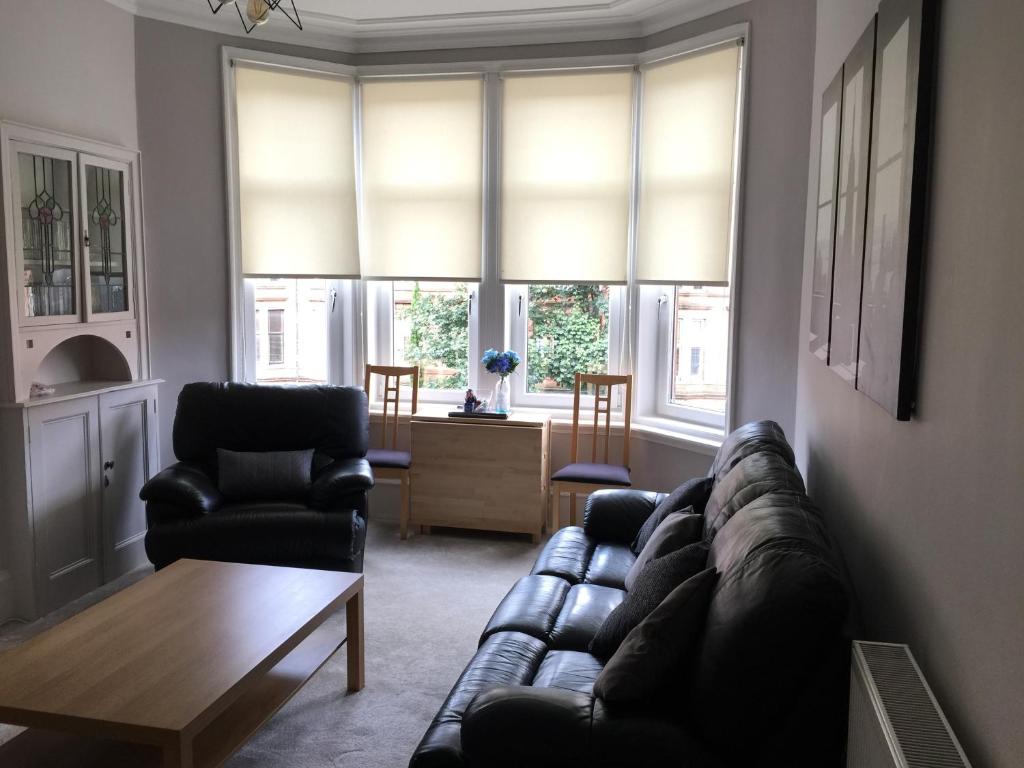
472 402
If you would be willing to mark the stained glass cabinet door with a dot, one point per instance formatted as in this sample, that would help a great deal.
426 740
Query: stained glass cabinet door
106 237
45 192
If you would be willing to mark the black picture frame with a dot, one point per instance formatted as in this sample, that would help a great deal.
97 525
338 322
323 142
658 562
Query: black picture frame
897 202
852 206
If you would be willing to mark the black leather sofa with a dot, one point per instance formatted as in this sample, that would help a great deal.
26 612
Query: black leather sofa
768 683
322 527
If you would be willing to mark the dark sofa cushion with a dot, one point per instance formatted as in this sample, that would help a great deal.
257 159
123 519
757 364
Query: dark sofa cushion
675 532
693 493
753 437
568 670
264 475
755 475
654 655
609 566
655 582
776 612
531 607
566 555
585 608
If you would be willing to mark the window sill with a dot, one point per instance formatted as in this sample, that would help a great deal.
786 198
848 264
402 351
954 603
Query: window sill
667 432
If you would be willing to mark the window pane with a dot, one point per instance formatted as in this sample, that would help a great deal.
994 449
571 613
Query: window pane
431 330
700 347
290 327
567 331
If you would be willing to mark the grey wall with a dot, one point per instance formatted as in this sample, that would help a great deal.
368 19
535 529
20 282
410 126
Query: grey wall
182 140
181 135
69 66
775 188
929 512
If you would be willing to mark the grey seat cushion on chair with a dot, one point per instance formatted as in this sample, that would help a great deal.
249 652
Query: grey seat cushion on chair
384 457
598 474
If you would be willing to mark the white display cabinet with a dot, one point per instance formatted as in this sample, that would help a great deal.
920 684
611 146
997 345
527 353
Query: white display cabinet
77 449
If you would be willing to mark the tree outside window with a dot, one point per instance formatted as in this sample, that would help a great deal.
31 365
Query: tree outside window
431 330
567 332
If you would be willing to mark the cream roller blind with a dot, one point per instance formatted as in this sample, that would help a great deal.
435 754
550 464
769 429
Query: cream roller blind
565 188
688 134
422 178
296 173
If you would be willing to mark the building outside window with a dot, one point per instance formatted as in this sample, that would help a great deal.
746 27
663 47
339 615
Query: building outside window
290 323
701 340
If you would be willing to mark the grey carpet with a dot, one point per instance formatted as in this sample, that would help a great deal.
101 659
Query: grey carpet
427 600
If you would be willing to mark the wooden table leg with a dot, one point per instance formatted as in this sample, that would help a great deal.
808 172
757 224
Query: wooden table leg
178 754
356 656
403 509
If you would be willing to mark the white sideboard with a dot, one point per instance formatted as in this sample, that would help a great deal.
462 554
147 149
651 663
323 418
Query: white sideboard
75 451
73 466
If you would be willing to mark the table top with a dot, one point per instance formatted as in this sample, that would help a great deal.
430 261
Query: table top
169 653
515 418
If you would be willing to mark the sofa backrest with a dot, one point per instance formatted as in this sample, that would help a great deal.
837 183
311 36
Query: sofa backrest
753 437
776 613
754 476
251 417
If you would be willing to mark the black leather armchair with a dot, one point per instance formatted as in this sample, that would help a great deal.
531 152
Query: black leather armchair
189 516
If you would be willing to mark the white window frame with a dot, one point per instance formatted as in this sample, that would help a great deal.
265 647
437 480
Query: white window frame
360 326
342 338
517 321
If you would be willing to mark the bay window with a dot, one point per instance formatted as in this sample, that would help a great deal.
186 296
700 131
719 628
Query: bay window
584 216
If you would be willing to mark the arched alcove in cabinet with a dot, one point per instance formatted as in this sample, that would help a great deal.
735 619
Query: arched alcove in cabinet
78 425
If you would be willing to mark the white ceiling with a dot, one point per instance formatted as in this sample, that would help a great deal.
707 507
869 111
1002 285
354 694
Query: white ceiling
379 25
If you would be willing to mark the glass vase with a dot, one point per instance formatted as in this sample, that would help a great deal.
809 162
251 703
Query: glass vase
501 399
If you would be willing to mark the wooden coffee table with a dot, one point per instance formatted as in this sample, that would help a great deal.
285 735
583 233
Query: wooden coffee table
178 669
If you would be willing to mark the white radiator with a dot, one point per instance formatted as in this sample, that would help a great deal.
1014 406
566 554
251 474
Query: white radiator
895 721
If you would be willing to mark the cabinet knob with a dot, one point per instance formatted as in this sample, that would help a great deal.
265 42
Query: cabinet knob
108 465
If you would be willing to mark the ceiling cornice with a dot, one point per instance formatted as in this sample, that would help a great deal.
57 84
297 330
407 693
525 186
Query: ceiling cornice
613 20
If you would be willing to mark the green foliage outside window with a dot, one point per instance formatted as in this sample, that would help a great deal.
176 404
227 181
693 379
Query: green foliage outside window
568 332
439 337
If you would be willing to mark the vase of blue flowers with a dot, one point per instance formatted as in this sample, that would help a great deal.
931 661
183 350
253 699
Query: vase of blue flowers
502 364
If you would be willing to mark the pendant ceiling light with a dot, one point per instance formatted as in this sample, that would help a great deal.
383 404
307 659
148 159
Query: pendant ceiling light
257 12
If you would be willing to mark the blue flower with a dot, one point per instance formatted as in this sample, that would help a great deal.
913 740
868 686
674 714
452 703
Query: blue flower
501 363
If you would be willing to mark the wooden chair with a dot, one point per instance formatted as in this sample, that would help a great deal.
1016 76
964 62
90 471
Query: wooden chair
388 462
586 477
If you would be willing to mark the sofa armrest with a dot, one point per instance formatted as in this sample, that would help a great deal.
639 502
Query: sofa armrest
515 726
183 488
337 482
616 515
